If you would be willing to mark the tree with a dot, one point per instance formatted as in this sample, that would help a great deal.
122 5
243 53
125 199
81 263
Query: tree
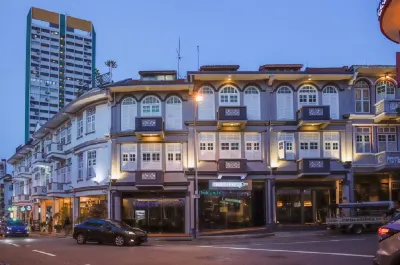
111 64
96 73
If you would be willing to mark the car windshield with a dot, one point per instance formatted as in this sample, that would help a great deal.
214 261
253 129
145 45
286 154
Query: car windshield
118 224
15 223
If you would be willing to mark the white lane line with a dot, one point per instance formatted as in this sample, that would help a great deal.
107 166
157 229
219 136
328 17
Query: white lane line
318 241
294 251
44 253
15 245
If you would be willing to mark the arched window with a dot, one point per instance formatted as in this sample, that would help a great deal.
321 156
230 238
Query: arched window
330 97
284 103
151 106
229 96
206 108
128 114
363 101
307 96
173 117
385 90
252 103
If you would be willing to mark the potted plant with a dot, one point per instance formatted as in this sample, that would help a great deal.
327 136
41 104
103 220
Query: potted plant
58 228
43 226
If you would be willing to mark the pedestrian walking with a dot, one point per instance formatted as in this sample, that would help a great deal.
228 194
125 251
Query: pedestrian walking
67 226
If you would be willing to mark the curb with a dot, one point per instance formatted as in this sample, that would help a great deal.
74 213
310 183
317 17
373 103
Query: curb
212 238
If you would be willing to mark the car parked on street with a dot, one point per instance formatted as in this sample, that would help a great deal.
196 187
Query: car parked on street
388 252
108 231
14 228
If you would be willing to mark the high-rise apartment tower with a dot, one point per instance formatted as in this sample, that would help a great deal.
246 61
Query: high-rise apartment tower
60 59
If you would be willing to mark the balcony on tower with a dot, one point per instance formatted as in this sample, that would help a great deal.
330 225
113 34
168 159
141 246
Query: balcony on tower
233 117
318 116
149 128
55 151
387 110
39 160
388 161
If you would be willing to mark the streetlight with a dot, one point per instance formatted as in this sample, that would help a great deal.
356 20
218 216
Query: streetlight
198 98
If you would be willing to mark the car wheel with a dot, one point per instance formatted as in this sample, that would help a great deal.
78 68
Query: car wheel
80 239
119 241
357 230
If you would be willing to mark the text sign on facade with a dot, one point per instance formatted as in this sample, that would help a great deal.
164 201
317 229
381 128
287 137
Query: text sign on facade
230 185
149 178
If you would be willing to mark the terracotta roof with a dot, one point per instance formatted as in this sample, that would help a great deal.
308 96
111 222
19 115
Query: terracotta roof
327 70
135 82
267 66
158 72
220 67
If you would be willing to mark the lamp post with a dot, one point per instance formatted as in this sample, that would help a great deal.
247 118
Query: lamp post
197 99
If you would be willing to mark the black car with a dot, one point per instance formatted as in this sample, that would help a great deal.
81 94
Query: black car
108 231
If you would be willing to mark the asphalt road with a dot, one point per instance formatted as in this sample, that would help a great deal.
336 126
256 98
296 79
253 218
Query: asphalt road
284 249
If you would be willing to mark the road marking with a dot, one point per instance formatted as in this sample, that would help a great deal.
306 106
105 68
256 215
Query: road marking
15 245
295 251
44 253
319 241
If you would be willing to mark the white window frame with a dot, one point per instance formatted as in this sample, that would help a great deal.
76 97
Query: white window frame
207 145
91 120
331 145
289 113
173 156
63 136
79 126
252 113
385 89
128 157
127 119
172 122
80 167
330 92
229 96
387 139
362 97
363 140
307 96
69 135
150 106
91 163
252 142
230 145
286 146
206 108
309 145
151 156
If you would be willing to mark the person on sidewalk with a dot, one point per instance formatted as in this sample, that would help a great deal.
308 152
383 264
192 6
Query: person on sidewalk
50 224
67 225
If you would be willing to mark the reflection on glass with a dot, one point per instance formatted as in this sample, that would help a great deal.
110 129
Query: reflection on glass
162 215
224 210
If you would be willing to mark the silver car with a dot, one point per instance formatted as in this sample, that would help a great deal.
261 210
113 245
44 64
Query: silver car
389 243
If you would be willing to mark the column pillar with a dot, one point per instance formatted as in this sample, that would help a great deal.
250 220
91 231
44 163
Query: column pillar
269 202
390 188
337 191
35 211
302 218
56 207
75 210
117 205
188 216
43 211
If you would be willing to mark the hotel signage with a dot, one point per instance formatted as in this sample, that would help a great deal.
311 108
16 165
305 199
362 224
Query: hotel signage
230 185
149 178
382 6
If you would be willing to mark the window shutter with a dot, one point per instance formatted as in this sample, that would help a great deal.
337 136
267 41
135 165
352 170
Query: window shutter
208 141
281 150
128 114
330 97
206 108
252 103
284 104
172 149
252 139
173 114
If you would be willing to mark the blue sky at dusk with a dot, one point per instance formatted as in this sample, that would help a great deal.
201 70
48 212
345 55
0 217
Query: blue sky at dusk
143 35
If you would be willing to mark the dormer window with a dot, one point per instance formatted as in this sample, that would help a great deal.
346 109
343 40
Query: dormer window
385 90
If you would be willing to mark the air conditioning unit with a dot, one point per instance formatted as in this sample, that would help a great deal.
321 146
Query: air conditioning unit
47 92
37 75
47 99
47 83
32 97
37 113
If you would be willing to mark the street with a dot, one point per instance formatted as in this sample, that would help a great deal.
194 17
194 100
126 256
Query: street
283 249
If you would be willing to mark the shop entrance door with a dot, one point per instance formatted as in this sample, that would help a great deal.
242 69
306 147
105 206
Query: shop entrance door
160 215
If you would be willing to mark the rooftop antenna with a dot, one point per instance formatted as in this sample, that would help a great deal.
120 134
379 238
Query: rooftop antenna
198 57
178 51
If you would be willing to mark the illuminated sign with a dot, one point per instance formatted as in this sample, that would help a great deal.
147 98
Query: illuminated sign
22 209
230 185
28 208
381 6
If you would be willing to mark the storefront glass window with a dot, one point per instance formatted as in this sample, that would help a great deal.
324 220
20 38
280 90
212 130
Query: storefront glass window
224 210
155 215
